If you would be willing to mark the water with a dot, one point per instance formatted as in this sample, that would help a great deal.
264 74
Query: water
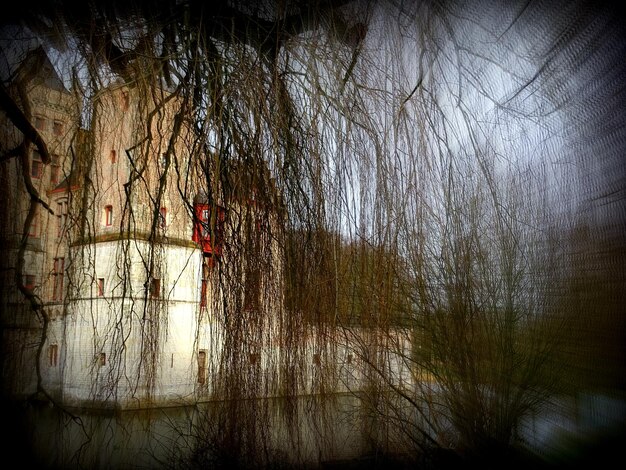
311 431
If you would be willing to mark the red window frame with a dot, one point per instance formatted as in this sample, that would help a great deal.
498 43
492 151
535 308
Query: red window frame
203 221
108 215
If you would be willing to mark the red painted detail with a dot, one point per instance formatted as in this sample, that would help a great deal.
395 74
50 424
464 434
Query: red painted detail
205 224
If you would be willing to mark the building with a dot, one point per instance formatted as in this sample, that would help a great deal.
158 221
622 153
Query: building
141 270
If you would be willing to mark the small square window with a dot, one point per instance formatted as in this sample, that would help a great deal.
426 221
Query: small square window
57 128
254 358
36 167
40 123
155 288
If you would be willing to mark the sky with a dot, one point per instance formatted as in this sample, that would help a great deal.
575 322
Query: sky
535 87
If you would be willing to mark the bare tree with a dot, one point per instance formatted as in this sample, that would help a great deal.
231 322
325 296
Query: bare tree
362 195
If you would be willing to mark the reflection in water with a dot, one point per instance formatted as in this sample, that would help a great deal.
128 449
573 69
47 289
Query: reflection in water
318 431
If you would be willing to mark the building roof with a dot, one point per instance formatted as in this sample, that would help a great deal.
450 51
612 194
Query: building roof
37 66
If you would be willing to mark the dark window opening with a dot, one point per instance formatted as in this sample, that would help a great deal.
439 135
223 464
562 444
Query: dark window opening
202 367
53 355
100 286
155 288
254 358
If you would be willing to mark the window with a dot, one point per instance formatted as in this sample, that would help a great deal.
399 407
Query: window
113 156
53 355
155 288
316 359
203 291
202 367
58 272
40 123
57 128
29 282
61 214
36 167
100 286
108 215
163 217
55 170
208 229
102 359
254 358
125 101
34 227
